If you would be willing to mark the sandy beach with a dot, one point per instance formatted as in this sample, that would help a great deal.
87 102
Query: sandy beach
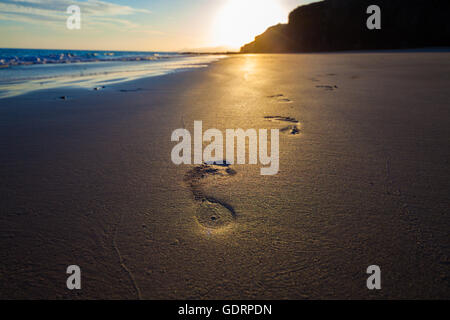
88 180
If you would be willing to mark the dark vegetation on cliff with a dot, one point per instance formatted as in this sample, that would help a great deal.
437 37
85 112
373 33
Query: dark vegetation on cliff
334 25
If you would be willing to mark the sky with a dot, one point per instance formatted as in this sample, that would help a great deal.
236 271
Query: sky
139 25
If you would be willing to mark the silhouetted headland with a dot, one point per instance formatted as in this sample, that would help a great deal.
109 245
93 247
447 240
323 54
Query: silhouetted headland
334 25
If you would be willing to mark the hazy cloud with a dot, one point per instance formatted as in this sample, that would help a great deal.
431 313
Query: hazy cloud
54 11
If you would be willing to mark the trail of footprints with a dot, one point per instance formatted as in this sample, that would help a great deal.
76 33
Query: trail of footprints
212 214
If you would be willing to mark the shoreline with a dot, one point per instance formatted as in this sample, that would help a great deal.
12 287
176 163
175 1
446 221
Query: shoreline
31 70
99 85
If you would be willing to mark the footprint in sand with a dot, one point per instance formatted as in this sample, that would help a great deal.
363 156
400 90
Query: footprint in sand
290 129
281 98
212 214
327 88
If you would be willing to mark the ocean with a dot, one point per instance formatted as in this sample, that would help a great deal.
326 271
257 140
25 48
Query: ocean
25 70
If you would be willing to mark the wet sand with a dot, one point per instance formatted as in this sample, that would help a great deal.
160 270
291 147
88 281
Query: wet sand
363 180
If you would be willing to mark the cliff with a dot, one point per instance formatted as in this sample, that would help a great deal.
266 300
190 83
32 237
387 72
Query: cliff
334 25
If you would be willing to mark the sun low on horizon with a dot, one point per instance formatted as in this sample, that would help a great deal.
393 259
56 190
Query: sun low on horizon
140 25
238 22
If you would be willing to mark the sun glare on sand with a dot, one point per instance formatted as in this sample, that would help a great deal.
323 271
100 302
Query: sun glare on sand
239 21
